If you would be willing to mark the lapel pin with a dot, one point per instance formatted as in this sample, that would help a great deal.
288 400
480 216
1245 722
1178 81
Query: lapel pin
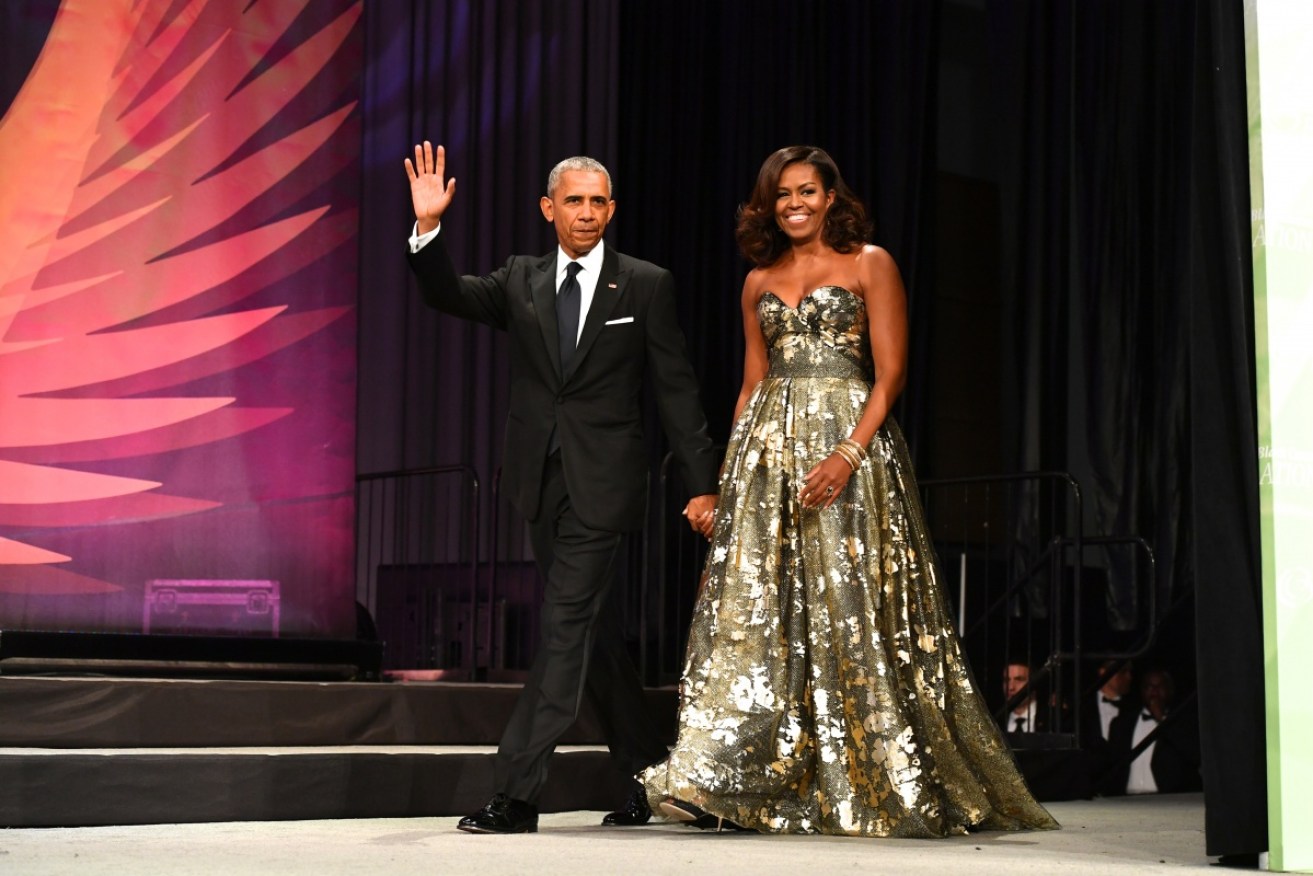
610 285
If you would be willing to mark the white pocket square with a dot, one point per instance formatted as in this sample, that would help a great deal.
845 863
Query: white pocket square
622 319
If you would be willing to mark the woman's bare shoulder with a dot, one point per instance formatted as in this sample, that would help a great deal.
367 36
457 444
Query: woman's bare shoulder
877 267
875 256
754 284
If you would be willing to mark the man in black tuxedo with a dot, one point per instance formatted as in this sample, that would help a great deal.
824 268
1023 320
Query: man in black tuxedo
1109 752
1170 763
587 326
1026 716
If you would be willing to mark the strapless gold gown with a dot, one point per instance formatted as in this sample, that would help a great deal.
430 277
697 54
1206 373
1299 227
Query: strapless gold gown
824 688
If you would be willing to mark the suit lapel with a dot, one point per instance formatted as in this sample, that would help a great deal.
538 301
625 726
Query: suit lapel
542 286
610 286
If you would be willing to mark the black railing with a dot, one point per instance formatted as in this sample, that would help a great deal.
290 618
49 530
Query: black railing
673 556
1011 538
1026 589
1059 608
417 541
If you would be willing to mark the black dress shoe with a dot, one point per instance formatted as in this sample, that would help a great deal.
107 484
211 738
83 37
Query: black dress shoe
634 813
502 815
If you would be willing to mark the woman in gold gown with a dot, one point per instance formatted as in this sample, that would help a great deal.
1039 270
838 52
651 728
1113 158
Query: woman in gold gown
824 689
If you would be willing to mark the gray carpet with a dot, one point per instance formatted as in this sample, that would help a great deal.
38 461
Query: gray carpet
1105 836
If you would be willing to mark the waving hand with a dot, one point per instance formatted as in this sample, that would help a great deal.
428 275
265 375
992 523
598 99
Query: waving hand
429 194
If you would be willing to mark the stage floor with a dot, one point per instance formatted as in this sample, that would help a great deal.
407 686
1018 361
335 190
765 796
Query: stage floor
1120 835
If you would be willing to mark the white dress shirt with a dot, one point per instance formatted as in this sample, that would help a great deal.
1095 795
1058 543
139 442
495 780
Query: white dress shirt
588 275
1140 780
1022 722
591 262
1108 709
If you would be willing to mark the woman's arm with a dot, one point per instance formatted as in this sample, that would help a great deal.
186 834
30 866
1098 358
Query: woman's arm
886 312
755 362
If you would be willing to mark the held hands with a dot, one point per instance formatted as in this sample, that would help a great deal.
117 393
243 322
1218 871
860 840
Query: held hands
823 484
428 193
701 514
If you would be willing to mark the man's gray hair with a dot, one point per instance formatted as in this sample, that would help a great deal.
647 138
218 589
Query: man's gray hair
578 162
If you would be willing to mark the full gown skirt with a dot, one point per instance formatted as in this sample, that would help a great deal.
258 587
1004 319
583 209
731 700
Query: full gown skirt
824 689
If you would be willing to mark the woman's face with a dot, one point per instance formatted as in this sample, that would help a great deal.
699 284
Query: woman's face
801 202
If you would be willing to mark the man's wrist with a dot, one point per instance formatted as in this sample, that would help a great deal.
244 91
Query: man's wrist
418 239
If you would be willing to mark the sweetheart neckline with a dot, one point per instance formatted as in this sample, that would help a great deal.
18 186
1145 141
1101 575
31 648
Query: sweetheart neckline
795 307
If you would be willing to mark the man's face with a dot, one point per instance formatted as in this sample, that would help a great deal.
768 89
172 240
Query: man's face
1156 690
1119 682
580 208
1015 678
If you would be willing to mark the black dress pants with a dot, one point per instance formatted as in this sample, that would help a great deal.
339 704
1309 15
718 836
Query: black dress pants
581 654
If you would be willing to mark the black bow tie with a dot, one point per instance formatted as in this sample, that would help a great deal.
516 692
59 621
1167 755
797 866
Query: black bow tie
1147 716
1111 700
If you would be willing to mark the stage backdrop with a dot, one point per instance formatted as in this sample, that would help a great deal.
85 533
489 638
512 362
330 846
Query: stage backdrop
177 326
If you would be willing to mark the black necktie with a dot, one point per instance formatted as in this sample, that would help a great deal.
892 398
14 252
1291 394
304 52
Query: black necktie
1019 725
567 314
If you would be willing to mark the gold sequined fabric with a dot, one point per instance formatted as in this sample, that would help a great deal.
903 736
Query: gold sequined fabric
824 689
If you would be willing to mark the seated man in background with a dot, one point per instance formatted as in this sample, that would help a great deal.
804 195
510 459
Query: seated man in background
1026 716
1170 763
1116 696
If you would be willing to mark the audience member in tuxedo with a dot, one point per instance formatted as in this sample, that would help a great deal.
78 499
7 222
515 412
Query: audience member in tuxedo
1113 698
588 327
1170 763
1026 716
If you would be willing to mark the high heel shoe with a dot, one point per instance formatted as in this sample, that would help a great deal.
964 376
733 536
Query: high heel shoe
687 813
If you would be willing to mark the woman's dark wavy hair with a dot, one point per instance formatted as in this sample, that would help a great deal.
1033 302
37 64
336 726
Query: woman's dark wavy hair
760 239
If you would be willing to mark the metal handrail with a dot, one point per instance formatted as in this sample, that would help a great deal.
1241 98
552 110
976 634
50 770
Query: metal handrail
663 529
472 478
1151 624
1054 552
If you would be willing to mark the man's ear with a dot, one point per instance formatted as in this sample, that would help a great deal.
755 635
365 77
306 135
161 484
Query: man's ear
545 204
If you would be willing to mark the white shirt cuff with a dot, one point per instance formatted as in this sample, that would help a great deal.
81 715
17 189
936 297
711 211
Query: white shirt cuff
417 240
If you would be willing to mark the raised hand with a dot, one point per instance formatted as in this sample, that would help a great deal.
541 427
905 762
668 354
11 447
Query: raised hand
428 193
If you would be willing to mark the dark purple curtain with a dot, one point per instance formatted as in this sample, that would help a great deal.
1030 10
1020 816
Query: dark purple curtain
710 89
509 89
682 102
1224 441
1129 326
1092 121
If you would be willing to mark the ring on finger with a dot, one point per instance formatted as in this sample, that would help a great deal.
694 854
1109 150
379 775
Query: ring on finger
829 491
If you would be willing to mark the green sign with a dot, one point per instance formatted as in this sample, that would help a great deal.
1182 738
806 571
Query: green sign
1279 67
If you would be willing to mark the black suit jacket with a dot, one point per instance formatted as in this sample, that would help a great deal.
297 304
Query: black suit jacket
1109 756
630 333
1175 760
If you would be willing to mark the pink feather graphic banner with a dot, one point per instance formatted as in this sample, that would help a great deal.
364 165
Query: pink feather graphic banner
177 313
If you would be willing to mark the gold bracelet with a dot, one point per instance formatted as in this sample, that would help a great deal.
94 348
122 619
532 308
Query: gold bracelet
848 456
857 448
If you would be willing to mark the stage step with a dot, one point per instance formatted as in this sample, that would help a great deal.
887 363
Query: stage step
85 787
107 712
81 751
